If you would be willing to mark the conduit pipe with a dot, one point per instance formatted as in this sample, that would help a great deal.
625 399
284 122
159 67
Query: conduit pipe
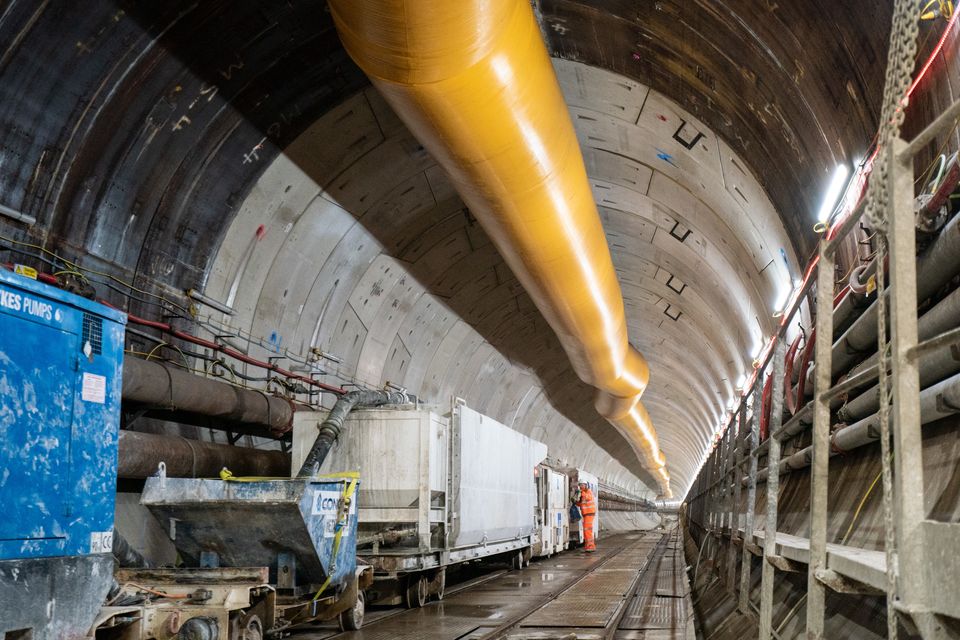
935 268
141 453
160 385
473 81
936 402
935 366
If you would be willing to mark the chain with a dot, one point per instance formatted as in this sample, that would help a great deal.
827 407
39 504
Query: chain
900 62
889 542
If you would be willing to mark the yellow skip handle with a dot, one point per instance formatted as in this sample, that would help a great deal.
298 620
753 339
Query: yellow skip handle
227 476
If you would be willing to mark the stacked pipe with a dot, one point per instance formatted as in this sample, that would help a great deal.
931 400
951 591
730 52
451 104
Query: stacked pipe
935 268
159 385
141 453
855 351
473 81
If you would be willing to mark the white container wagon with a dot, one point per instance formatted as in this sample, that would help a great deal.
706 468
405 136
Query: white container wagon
436 490
553 512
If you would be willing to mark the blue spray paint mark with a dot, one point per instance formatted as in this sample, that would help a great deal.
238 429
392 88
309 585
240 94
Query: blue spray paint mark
786 263
666 157
275 340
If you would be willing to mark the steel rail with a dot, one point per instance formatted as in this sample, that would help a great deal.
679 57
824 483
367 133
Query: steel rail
614 624
516 620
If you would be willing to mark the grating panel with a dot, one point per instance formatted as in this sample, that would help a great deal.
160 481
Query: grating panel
611 583
575 611
653 612
539 584
414 629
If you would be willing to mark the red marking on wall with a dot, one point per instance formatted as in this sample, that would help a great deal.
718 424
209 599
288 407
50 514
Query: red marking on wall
261 231
661 117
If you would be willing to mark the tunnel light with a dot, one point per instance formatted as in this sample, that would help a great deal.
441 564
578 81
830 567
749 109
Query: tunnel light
830 199
782 301
742 380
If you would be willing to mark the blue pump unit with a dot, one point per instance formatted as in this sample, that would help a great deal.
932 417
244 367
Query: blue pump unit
61 358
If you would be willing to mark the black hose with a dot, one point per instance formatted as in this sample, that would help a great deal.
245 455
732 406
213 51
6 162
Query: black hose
331 427
125 555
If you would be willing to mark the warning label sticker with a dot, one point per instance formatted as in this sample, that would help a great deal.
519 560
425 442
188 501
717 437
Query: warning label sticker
101 541
94 388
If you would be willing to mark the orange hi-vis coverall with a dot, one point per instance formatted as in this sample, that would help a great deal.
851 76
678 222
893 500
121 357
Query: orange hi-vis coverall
588 509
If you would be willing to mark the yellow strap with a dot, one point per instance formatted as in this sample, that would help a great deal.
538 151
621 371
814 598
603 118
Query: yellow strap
342 521
227 476
342 518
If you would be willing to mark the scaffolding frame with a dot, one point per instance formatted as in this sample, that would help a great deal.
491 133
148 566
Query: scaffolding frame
918 575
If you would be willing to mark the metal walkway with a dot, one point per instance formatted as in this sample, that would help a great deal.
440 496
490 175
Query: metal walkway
635 587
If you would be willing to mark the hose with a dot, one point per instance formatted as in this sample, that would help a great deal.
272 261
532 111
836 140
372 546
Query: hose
804 367
765 403
788 375
125 555
855 283
331 427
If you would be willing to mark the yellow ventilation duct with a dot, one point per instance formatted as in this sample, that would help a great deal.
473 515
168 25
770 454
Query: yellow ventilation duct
473 82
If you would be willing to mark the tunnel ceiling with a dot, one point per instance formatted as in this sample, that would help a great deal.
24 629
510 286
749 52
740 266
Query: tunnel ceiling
145 141
384 267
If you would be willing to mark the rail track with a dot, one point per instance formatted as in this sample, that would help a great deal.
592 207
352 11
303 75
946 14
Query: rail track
639 583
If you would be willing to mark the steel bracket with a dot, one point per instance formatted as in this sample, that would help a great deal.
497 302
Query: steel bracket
843 584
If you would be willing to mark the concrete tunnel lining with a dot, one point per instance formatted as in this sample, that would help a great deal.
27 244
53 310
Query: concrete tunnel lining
367 266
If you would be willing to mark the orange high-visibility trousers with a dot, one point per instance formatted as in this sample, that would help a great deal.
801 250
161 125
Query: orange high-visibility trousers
589 544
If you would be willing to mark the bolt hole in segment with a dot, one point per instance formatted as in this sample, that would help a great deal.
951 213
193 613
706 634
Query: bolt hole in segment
474 83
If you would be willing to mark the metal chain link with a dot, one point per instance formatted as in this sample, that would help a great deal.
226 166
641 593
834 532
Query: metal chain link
901 59
883 363
900 62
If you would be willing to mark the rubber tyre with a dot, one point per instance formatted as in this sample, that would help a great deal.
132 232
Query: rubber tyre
415 595
352 618
516 562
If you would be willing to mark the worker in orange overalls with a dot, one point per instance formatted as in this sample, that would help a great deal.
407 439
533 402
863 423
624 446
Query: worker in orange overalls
587 504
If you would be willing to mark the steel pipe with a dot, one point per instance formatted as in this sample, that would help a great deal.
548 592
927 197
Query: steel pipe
167 387
936 402
945 315
141 453
935 268
473 81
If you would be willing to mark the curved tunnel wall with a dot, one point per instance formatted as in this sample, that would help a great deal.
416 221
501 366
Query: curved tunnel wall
131 134
387 270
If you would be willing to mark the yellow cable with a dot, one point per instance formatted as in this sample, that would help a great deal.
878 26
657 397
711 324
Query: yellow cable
75 267
70 272
154 350
856 514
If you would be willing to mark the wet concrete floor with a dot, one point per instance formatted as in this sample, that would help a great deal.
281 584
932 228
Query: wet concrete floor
633 588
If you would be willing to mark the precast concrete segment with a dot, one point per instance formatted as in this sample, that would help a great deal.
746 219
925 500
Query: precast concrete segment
474 83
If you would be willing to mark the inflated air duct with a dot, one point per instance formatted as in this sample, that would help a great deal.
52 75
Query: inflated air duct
473 82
